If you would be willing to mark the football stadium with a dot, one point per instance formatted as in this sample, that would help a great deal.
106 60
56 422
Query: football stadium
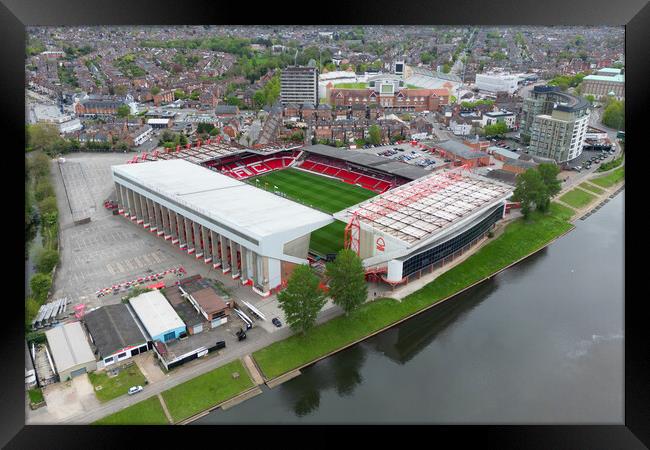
257 212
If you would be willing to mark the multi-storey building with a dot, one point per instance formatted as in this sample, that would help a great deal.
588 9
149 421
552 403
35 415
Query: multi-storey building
497 82
299 85
558 133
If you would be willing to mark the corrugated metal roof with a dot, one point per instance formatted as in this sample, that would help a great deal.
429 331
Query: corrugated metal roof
69 346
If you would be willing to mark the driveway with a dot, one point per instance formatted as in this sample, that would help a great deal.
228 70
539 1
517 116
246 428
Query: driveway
65 400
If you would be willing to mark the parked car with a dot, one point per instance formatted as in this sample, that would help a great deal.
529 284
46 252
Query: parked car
241 335
276 322
134 389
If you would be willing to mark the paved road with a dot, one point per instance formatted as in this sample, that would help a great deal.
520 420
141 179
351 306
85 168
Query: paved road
188 372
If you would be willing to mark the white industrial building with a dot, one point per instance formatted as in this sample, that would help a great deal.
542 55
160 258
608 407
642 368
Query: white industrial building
158 317
70 350
255 235
497 82
421 225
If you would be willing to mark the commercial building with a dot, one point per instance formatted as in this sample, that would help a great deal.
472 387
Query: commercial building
554 123
70 350
424 224
253 234
98 105
605 82
299 85
115 333
497 82
157 316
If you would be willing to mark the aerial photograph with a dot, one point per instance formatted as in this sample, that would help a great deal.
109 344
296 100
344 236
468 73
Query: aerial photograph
277 224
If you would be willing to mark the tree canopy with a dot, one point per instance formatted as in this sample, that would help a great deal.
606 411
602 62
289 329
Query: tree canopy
302 299
347 284
374 133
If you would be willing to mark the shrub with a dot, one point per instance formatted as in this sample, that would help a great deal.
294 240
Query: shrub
46 260
40 285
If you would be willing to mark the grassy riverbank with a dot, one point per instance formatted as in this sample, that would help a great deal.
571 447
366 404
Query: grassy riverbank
206 391
519 239
610 179
146 412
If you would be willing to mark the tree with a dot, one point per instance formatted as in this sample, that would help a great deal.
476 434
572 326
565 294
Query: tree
39 165
347 285
374 133
47 205
215 131
41 136
614 114
123 111
43 189
496 129
204 128
302 299
531 191
549 173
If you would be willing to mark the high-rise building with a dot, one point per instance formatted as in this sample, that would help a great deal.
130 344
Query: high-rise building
298 85
555 123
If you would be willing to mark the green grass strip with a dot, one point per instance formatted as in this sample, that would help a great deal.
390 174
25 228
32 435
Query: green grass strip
518 240
146 412
206 391
113 387
610 179
577 198
591 187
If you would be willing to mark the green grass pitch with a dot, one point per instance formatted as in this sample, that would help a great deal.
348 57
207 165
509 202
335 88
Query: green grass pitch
327 194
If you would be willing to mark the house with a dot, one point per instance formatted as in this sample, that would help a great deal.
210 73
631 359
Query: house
70 350
462 153
114 332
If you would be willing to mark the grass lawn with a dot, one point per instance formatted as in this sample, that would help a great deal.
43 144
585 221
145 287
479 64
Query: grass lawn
359 85
147 412
207 390
113 387
578 198
326 194
610 179
518 240
35 395
591 187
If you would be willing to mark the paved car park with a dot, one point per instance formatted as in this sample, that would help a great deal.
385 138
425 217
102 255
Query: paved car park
407 153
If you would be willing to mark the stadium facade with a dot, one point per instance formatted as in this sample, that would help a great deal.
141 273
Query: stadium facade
422 225
253 234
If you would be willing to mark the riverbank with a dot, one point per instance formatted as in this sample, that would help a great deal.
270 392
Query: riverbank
519 240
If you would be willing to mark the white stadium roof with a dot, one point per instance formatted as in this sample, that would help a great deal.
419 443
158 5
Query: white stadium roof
156 313
421 210
235 204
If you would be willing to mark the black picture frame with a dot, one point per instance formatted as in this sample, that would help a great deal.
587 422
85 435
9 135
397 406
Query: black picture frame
16 14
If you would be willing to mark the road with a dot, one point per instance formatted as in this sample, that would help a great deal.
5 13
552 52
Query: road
192 370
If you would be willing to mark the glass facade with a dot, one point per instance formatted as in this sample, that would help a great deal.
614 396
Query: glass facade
441 251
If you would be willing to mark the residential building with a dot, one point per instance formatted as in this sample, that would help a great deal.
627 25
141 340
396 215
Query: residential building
298 85
554 123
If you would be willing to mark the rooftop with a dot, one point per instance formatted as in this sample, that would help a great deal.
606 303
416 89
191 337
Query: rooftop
155 313
419 211
380 163
460 149
69 346
113 328
224 200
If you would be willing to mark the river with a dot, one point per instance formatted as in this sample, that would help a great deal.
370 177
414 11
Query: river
540 343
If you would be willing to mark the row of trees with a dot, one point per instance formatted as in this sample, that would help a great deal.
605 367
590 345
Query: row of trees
40 210
535 188
305 295
269 94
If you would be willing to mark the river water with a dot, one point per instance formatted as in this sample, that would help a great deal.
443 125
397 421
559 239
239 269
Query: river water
540 343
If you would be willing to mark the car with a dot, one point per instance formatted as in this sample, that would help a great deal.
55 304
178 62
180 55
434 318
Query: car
276 322
241 335
135 389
